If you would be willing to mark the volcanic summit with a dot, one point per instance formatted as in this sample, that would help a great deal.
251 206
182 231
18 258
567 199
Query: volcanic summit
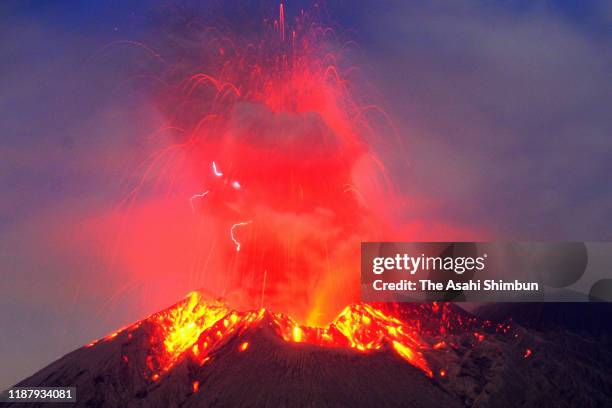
200 352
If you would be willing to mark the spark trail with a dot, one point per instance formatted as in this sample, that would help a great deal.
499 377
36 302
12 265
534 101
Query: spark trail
278 133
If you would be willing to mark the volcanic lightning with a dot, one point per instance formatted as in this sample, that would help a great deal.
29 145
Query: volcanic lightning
238 224
196 196
274 131
216 171
276 135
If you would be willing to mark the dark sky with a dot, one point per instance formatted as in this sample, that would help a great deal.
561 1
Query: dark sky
504 109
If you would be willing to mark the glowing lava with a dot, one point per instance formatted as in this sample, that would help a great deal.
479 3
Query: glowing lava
195 326
360 327
181 325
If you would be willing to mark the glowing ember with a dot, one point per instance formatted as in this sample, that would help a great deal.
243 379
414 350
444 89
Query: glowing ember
479 336
439 345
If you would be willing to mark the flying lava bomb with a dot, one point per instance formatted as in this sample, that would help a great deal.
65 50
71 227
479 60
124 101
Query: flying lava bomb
273 166
286 183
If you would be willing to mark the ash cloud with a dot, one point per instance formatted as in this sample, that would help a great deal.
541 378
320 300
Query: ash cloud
291 133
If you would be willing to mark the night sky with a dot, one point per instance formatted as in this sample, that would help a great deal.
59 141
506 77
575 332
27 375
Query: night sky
503 107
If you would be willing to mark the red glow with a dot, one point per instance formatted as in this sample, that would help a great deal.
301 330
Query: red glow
274 152
271 182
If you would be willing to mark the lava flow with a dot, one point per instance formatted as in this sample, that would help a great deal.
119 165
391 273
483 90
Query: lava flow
196 326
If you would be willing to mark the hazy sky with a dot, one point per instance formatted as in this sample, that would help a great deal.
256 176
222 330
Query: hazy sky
504 109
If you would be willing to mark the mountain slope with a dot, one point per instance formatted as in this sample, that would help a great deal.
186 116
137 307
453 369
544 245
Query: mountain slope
201 353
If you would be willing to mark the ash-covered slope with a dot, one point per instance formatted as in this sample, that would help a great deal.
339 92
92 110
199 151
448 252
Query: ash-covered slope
592 318
566 360
252 368
198 353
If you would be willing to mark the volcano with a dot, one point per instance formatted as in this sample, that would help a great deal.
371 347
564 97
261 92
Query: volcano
200 352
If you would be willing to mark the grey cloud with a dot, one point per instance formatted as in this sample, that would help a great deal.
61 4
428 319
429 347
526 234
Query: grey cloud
505 114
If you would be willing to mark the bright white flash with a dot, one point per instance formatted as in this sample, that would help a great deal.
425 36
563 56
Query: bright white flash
236 185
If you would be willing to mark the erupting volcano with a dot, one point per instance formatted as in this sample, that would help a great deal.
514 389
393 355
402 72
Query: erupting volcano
272 148
175 355
197 326
272 157
284 184
201 352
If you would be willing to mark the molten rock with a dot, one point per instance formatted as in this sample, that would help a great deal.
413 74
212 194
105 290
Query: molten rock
200 352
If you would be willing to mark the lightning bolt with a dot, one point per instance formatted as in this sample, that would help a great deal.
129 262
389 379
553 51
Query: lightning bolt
193 197
239 224
216 170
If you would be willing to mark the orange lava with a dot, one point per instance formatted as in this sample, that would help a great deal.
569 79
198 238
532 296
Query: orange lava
182 324
195 326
